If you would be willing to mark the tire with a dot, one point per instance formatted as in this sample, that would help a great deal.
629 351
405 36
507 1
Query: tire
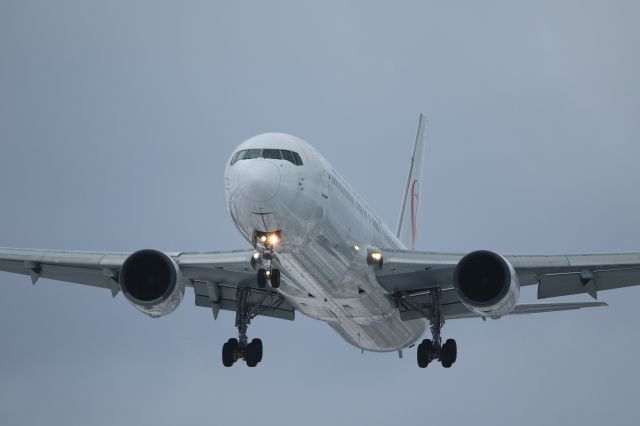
228 354
454 350
448 353
258 344
424 353
262 278
251 355
234 343
275 278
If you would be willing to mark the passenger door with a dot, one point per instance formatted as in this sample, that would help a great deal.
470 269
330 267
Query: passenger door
325 183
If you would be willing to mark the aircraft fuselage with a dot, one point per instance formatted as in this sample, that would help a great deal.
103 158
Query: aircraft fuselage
326 231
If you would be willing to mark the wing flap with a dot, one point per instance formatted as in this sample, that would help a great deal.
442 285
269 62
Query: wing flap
265 302
587 281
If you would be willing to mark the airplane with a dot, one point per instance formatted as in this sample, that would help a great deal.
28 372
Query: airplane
319 250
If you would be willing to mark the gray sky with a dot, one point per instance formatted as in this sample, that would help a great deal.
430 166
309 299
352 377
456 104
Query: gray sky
116 119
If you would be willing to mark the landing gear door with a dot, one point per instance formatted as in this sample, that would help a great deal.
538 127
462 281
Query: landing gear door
325 183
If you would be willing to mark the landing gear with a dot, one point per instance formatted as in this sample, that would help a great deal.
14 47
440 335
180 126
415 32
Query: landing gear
271 275
430 350
424 353
266 243
229 351
275 278
262 278
448 353
241 348
253 353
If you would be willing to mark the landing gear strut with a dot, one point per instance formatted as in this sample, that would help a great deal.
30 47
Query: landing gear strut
432 349
241 348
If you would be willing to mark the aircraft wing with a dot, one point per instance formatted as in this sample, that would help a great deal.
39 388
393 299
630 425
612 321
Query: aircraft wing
411 274
214 276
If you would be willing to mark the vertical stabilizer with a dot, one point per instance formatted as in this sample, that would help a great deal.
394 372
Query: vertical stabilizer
407 224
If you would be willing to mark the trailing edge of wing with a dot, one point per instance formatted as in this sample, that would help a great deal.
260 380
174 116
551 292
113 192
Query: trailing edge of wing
458 310
537 308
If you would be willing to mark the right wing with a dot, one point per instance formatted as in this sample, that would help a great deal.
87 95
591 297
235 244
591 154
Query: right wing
411 275
216 277
555 275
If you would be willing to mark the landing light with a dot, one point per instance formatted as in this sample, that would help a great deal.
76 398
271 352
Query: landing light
375 258
274 239
256 255
263 238
356 247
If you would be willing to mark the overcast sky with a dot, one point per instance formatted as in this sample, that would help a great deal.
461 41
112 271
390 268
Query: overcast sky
116 119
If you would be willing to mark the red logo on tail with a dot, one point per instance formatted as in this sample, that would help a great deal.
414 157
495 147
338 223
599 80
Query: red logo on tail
415 195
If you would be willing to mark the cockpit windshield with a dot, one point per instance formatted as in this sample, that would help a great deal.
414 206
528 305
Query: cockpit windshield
268 153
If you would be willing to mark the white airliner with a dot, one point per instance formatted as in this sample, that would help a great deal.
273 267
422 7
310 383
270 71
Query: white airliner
318 249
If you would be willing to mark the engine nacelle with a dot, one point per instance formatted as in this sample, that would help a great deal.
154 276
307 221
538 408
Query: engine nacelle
152 282
487 284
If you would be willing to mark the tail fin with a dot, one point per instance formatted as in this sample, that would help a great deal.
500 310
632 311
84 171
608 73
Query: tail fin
407 224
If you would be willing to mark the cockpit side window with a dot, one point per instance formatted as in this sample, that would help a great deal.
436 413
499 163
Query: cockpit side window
298 160
288 155
273 154
238 156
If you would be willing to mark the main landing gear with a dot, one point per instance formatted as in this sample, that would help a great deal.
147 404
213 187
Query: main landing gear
433 349
241 348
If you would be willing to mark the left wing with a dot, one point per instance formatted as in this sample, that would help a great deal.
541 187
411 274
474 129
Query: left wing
410 275
216 277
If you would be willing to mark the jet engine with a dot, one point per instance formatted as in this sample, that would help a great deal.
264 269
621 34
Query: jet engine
152 282
487 284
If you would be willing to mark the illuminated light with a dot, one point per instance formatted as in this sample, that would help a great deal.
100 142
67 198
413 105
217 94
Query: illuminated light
273 239
356 247
256 255
263 238
268 273
376 256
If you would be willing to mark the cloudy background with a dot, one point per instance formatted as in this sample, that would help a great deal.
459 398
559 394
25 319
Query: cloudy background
116 119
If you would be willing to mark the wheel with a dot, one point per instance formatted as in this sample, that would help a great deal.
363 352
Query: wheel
275 278
454 350
229 352
448 353
258 344
262 278
251 354
234 343
424 353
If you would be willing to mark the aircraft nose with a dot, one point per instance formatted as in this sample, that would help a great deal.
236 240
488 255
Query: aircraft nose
259 180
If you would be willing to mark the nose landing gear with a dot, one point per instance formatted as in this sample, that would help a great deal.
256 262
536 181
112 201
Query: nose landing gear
265 244
271 275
